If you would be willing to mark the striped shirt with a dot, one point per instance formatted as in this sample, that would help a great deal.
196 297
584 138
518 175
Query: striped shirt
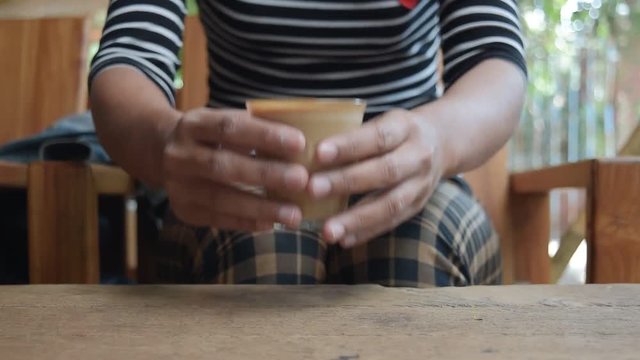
377 50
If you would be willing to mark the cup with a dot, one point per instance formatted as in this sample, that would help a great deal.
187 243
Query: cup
318 119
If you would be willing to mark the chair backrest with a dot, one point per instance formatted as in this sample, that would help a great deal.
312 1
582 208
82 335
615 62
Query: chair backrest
46 67
195 69
490 182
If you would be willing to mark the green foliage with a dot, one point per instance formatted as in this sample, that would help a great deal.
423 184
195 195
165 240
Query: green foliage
192 7
573 51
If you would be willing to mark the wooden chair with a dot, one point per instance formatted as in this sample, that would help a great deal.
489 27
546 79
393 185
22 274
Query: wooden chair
517 203
46 65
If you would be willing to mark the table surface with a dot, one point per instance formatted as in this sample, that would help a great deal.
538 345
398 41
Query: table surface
324 322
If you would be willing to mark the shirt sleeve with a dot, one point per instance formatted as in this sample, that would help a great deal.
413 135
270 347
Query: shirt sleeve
476 30
146 35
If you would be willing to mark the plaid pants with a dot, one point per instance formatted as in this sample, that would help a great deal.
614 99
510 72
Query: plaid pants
450 243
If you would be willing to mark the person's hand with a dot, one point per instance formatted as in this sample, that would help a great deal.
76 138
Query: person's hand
209 154
397 157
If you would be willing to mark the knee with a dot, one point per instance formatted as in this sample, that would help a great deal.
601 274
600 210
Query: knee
450 243
274 257
466 236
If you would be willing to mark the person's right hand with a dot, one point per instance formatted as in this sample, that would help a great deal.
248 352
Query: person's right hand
209 153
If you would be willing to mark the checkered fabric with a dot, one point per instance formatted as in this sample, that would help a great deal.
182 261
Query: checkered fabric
450 243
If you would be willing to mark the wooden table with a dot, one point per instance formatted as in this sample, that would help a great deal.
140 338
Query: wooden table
363 322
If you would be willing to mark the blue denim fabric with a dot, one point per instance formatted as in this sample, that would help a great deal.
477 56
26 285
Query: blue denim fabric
71 138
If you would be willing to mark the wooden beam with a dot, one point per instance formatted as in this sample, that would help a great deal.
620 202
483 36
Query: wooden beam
577 174
195 67
63 224
13 175
569 243
111 180
572 238
632 146
613 228
530 228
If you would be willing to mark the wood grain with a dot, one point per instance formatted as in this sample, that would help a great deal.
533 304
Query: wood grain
530 228
13 175
613 223
195 68
63 224
574 235
111 180
577 174
324 322
46 59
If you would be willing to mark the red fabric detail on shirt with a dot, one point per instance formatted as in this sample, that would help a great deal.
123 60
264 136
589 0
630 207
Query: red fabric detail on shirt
409 4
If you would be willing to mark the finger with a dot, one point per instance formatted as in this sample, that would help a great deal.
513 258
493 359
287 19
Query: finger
374 138
238 128
374 217
242 150
200 216
373 174
217 199
226 167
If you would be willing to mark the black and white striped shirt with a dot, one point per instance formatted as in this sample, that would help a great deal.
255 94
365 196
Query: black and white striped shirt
378 50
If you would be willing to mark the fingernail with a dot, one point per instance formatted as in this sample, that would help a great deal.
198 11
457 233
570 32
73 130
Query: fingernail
336 231
327 152
320 186
294 178
295 142
349 241
288 215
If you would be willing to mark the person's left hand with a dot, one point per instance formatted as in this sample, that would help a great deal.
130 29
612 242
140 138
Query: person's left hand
396 156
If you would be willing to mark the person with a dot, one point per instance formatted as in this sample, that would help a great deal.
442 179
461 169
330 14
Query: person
413 220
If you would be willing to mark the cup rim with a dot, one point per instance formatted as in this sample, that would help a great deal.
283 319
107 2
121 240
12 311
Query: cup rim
304 104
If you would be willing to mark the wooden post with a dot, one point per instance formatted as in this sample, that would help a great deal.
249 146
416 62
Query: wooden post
131 237
572 238
530 226
63 223
613 223
195 68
